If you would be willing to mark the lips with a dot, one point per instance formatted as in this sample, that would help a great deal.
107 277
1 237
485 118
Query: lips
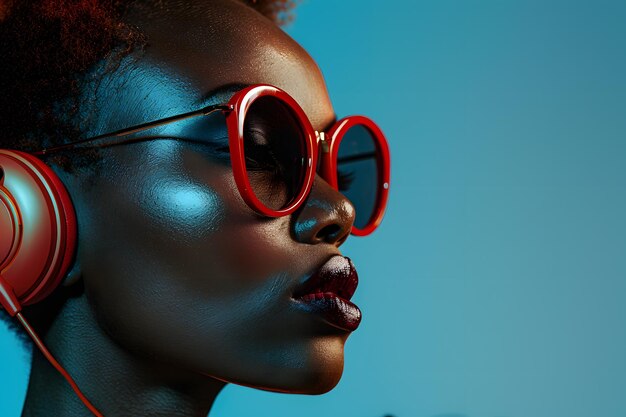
326 293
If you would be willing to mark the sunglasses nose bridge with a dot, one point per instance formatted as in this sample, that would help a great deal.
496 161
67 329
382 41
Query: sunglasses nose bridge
323 167
321 140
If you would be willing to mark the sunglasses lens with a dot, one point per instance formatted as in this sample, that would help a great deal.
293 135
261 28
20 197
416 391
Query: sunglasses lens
358 173
275 152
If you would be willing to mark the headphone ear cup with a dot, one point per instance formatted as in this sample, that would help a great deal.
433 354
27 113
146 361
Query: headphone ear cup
37 226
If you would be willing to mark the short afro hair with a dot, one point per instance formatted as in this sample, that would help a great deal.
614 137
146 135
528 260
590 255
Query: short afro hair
48 45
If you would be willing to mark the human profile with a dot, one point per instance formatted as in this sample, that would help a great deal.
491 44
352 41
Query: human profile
175 188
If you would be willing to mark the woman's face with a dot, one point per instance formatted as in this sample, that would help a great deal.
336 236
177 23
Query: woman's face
175 265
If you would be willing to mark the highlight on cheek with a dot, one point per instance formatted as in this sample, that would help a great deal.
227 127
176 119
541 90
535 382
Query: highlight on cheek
186 206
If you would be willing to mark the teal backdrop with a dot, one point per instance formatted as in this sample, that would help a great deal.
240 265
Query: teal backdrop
496 285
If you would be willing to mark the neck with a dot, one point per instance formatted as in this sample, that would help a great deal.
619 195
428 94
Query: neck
116 381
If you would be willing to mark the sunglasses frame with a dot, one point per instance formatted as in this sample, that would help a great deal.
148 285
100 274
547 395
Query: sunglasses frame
383 162
235 111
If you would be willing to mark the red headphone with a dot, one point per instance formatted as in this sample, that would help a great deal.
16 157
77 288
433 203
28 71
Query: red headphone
37 239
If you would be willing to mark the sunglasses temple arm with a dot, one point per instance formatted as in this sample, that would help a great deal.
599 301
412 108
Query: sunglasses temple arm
139 128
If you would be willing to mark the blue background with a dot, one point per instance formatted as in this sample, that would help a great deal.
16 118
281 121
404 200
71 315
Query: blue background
496 285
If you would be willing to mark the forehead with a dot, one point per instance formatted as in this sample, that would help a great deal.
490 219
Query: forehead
211 44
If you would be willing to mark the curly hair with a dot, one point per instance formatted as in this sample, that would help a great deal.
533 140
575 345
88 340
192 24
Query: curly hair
49 46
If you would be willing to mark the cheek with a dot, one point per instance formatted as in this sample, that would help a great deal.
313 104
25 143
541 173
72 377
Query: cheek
184 210
177 268
170 252
148 246
259 248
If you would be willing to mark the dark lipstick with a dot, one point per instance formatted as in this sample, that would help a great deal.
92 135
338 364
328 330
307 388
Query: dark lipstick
327 292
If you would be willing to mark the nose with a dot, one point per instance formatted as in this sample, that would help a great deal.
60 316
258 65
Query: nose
326 216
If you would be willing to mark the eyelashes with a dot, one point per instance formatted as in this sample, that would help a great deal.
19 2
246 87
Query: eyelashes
260 155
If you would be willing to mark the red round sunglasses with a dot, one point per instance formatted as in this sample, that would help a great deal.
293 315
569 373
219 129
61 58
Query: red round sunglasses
355 143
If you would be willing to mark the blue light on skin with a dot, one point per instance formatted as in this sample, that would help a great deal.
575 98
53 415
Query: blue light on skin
323 207
185 203
182 199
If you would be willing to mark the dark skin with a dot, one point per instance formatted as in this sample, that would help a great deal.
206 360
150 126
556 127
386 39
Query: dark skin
185 287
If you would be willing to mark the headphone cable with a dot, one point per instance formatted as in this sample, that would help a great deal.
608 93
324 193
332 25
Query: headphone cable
10 302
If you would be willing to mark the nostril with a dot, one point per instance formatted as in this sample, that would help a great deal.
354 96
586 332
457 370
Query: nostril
329 233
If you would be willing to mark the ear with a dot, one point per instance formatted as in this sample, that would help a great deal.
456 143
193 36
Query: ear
73 276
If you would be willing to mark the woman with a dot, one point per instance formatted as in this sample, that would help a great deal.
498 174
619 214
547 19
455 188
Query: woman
207 248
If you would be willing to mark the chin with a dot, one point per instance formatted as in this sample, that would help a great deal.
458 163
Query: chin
317 382
318 374
313 383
